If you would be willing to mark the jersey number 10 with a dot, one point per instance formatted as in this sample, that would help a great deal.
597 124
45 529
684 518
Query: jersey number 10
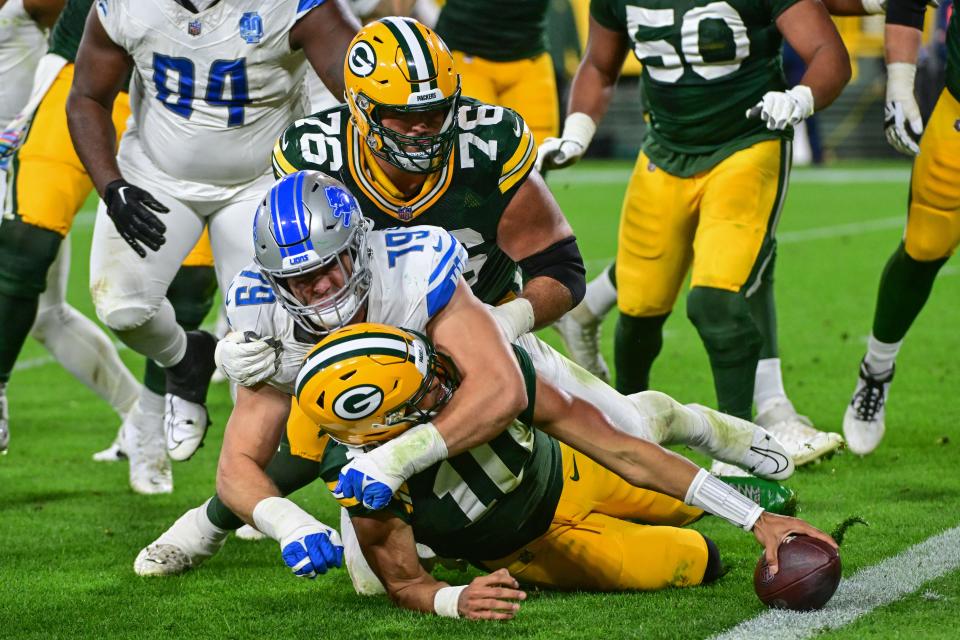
222 72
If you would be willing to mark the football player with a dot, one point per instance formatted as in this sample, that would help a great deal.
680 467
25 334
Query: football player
47 186
316 269
522 506
414 151
213 82
933 214
500 50
708 187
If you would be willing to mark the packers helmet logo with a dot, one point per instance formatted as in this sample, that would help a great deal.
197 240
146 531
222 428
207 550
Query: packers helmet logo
358 402
362 59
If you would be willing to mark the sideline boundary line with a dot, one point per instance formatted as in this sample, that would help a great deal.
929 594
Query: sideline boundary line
868 589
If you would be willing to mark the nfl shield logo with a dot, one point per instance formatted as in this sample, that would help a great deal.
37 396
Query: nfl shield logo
193 28
405 213
251 27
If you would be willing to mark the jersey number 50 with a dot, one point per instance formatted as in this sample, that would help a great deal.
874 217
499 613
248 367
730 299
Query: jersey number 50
222 72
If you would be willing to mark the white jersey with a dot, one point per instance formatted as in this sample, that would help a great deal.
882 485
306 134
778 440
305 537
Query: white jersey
415 272
211 90
22 43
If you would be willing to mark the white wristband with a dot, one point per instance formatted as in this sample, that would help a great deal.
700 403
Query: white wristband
874 7
411 452
277 517
900 80
515 318
720 499
447 600
580 128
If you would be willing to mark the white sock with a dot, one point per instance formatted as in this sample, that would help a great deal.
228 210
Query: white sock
150 403
768 384
84 350
881 356
600 296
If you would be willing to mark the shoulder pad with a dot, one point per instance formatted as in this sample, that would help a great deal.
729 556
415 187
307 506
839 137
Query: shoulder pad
316 142
497 137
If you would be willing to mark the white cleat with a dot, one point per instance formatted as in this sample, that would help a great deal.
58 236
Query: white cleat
4 420
113 453
185 424
162 560
863 422
251 534
181 547
141 437
580 331
804 443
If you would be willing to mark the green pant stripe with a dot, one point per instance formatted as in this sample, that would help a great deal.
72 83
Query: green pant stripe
768 245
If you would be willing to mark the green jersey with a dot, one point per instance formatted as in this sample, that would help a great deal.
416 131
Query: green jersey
67 31
705 63
492 156
953 56
483 504
500 30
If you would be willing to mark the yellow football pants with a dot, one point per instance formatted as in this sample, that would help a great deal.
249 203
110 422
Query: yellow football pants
933 222
590 546
720 221
49 183
527 86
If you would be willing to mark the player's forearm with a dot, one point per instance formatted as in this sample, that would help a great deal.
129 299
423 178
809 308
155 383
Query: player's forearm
242 483
549 299
828 72
93 134
591 91
482 408
901 43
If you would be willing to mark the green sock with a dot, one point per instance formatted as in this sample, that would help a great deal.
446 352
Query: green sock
733 344
763 310
904 288
637 344
16 317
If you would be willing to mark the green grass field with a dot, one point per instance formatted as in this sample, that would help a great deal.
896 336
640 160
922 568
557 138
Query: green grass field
70 528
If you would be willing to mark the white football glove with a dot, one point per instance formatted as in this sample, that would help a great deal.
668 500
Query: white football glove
246 358
902 123
308 546
780 109
557 153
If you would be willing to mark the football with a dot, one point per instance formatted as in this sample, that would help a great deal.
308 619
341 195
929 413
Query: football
808 577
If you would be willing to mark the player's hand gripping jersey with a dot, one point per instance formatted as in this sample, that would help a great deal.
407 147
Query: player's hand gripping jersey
704 65
492 156
414 274
220 82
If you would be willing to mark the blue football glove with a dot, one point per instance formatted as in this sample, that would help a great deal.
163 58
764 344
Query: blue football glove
362 479
311 550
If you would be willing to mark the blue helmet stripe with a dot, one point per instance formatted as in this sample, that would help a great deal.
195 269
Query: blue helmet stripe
275 212
301 217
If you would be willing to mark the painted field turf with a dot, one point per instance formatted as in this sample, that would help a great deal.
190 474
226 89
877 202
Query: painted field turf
70 528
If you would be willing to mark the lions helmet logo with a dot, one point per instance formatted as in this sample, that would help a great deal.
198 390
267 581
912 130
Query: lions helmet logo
358 402
362 59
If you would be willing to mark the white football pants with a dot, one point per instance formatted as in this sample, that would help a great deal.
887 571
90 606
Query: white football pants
129 292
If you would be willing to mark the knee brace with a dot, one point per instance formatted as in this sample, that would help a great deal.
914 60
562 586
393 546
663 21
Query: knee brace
723 321
26 253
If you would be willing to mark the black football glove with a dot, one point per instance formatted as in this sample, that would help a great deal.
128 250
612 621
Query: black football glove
131 209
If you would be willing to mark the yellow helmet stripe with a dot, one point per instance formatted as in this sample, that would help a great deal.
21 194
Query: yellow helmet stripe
415 51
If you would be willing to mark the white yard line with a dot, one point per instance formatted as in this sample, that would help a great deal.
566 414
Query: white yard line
613 175
868 589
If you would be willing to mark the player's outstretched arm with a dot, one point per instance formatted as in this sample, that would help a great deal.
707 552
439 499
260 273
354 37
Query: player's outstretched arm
324 34
102 68
390 549
590 95
535 234
646 464
259 416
